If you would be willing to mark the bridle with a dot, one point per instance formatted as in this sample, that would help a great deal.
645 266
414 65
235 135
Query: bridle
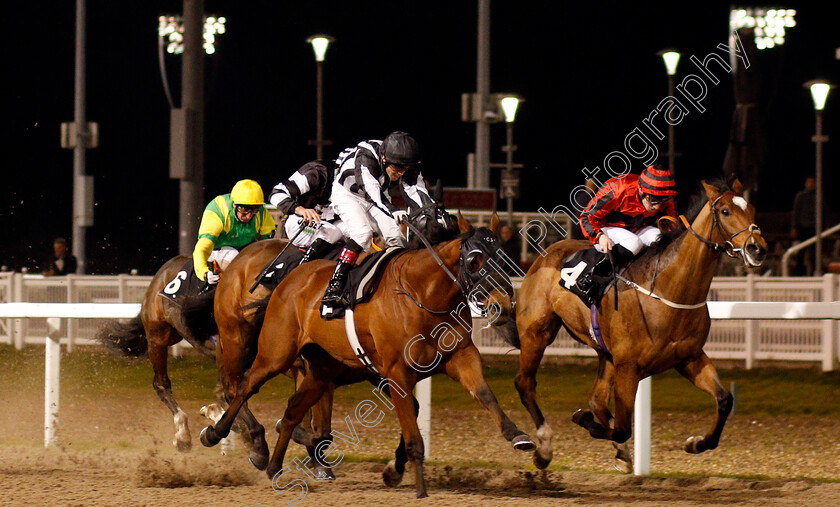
726 246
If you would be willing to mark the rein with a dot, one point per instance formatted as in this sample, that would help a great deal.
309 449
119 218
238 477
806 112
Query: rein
726 247
437 258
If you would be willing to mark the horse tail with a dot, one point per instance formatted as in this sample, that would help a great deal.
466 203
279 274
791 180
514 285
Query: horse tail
258 317
128 339
197 315
508 331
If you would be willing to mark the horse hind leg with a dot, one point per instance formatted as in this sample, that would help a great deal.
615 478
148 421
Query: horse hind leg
158 355
526 385
702 373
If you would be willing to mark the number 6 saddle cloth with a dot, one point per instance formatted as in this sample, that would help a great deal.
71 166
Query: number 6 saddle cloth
185 283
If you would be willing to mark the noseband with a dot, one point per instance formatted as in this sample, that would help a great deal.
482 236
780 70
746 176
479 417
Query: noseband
725 246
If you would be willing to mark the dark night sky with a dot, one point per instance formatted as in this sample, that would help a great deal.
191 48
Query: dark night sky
588 71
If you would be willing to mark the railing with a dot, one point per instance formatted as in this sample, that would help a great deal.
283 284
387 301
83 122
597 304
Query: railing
746 340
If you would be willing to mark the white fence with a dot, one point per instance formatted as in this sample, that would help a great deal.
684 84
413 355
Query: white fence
747 340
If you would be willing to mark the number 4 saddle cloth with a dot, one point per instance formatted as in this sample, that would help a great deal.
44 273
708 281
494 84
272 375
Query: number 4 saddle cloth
588 275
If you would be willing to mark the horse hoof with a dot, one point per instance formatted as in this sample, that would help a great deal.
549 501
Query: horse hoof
523 443
693 445
208 437
622 466
323 473
302 437
183 445
583 419
259 461
390 476
540 462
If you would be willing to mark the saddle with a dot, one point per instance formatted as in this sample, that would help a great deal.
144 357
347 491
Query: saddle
364 278
185 284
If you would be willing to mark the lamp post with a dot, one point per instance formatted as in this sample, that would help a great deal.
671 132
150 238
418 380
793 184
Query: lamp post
819 93
671 59
510 180
319 45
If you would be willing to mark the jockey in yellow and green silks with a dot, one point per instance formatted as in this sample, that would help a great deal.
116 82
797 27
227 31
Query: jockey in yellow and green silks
231 220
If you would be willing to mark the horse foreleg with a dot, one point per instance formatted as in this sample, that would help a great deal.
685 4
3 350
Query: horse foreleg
308 393
599 400
158 355
530 356
393 473
321 421
625 381
702 373
412 440
465 367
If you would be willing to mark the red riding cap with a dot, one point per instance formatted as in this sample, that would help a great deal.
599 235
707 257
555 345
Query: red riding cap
657 181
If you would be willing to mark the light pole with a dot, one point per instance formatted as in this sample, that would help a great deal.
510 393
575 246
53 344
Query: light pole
819 92
671 59
319 45
510 180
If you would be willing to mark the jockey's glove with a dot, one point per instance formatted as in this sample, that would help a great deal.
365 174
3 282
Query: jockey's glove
400 215
211 277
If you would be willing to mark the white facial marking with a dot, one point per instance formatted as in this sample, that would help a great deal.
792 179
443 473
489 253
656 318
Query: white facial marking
740 202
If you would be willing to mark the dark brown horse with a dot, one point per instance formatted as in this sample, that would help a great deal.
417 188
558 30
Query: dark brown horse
417 323
648 334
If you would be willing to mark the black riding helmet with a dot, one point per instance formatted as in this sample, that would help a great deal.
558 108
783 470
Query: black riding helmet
401 149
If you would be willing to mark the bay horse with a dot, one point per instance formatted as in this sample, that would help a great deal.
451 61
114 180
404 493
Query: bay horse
661 320
162 323
419 287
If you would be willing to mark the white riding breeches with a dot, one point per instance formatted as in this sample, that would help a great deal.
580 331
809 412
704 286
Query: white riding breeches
223 256
331 232
361 218
633 241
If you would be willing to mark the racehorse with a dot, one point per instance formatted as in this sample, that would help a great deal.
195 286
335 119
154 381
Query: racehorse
160 324
431 301
660 320
239 325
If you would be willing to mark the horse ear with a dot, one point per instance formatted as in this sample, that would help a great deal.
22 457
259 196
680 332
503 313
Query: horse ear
737 187
437 192
463 224
495 224
712 191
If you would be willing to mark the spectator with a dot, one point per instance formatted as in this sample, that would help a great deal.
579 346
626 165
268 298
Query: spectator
61 262
803 225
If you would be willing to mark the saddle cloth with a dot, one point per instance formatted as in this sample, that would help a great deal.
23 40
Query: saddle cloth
287 262
185 284
576 264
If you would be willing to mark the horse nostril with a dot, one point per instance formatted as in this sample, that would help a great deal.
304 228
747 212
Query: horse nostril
758 252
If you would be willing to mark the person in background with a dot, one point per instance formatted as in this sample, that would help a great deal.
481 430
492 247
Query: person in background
230 223
803 225
62 262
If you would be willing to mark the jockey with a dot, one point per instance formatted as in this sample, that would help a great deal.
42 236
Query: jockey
364 173
305 199
621 219
229 223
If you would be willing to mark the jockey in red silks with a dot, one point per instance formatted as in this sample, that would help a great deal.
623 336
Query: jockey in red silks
621 219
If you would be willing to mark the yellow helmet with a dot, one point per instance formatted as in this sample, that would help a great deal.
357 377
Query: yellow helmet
247 192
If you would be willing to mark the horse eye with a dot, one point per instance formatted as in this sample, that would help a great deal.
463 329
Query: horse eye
724 212
475 264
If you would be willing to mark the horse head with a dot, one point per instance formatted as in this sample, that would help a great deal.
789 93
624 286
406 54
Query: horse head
733 224
486 286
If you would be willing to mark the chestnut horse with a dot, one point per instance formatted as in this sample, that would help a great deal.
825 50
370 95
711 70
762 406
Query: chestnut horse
419 287
661 321
239 325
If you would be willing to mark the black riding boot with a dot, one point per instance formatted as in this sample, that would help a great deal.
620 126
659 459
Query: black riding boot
316 250
592 283
333 301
